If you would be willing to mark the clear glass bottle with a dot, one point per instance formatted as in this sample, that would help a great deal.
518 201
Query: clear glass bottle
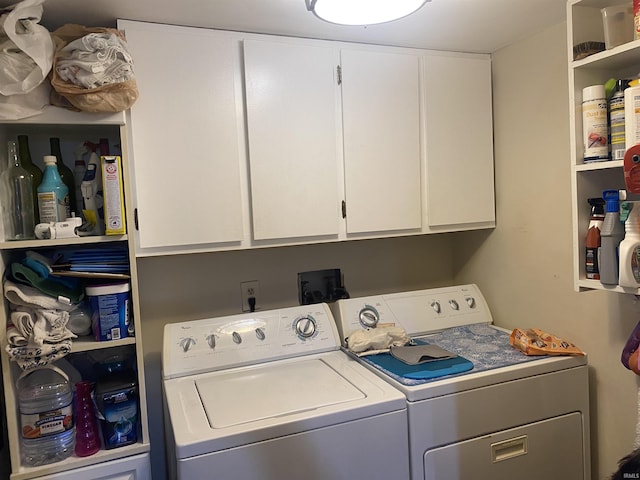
17 198
33 169
66 174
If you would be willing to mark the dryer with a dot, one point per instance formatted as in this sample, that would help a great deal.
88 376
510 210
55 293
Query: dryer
504 415
271 396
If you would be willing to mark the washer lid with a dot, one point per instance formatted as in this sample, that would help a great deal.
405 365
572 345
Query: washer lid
268 391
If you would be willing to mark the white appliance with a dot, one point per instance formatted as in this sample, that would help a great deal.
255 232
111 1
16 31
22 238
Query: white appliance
271 396
509 416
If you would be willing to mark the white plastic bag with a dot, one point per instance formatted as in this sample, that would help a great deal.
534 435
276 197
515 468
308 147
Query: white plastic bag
26 57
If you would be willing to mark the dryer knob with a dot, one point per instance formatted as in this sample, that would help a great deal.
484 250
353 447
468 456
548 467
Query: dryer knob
471 302
260 333
187 343
436 306
236 338
454 304
369 317
211 340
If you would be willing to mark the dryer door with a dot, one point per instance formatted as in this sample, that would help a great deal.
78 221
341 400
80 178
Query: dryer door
551 448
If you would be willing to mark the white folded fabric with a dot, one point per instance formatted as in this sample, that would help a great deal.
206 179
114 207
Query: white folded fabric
26 296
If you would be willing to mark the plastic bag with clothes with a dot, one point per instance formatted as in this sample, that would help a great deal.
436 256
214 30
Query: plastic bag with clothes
26 58
92 70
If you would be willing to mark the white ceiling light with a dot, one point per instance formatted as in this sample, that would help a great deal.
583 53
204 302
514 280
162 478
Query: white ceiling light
363 12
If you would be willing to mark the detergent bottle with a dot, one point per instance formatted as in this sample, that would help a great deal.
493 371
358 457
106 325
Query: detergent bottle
630 248
592 241
610 237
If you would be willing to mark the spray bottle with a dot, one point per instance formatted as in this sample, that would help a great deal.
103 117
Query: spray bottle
629 247
611 235
592 242
92 198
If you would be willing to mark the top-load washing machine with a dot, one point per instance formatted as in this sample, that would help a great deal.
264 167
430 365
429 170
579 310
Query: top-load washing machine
489 412
270 395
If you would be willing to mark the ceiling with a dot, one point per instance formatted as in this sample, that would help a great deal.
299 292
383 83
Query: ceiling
482 26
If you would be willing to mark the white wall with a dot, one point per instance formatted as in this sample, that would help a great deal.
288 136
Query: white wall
524 267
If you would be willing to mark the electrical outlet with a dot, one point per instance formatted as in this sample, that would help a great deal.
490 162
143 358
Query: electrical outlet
249 290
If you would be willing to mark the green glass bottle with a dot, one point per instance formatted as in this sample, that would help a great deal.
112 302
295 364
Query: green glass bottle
33 169
66 174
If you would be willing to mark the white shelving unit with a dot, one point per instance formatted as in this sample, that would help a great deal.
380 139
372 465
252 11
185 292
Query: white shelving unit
584 24
125 462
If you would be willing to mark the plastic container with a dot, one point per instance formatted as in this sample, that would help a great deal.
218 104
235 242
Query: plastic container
618 25
610 237
630 249
45 400
595 128
616 120
109 311
116 397
631 116
87 434
53 194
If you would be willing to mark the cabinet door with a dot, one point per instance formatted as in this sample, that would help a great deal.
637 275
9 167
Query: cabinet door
292 100
185 135
459 131
381 123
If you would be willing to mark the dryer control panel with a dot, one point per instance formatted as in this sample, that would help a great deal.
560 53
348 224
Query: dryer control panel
419 312
218 343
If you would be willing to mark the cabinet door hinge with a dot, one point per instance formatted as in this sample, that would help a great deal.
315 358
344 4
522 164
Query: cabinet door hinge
339 74
135 218
344 209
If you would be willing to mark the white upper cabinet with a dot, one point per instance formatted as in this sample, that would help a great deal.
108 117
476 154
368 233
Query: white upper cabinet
459 140
243 140
381 130
292 123
185 136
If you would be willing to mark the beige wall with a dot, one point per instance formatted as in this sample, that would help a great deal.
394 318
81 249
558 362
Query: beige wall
188 287
524 267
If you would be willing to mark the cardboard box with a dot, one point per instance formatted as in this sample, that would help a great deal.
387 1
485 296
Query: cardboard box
113 191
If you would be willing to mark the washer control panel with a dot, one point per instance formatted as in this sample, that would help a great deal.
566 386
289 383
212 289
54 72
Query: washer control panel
419 312
218 343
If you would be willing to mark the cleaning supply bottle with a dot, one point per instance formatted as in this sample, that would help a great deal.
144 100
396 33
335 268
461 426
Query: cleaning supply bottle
610 237
630 248
592 243
79 169
92 196
53 195
66 174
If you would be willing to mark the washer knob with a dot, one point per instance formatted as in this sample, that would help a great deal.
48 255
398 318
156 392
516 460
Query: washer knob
187 343
369 317
471 302
454 304
260 333
436 306
305 327
211 340
236 338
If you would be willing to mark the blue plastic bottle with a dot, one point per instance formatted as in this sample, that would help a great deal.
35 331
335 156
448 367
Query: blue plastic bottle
53 194
610 237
